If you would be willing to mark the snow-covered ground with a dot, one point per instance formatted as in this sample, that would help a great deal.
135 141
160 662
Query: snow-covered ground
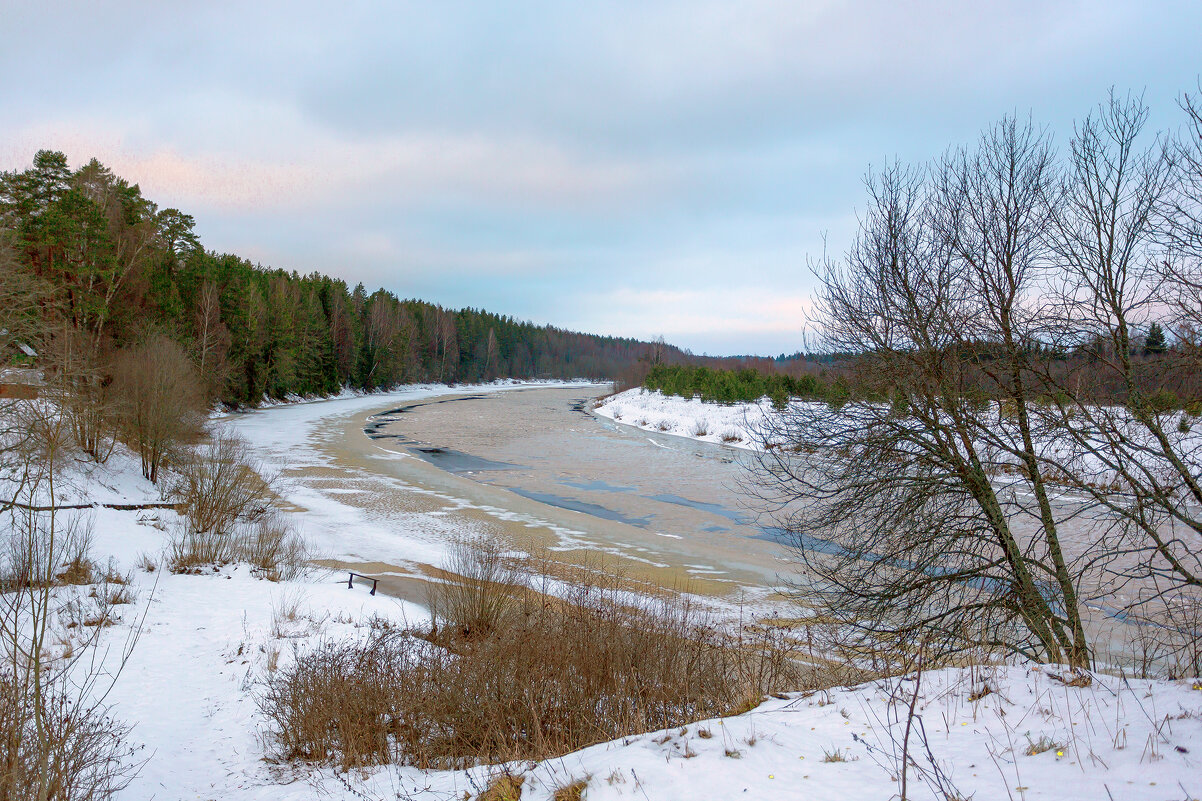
208 640
743 425
732 424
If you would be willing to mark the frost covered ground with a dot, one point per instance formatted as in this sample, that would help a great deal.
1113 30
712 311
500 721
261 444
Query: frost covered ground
207 641
686 417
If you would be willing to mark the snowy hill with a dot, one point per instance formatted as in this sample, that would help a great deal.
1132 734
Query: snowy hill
207 641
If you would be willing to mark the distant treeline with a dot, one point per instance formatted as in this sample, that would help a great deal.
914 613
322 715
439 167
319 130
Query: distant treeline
115 269
746 385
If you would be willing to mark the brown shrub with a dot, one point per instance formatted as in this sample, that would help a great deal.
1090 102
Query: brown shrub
268 544
157 400
483 592
547 676
193 549
273 549
335 704
78 754
219 484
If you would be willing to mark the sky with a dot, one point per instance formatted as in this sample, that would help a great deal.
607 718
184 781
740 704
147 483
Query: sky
637 169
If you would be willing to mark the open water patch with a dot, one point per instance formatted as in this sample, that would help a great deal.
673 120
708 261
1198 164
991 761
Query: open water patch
376 423
459 462
584 507
702 506
596 486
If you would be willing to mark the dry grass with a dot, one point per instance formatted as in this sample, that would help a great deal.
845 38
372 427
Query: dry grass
1041 745
118 594
835 755
78 571
503 788
510 673
573 791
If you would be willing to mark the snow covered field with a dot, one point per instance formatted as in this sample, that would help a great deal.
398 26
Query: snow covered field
686 417
207 641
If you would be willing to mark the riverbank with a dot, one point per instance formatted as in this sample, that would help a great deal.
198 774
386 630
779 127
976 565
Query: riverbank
201 646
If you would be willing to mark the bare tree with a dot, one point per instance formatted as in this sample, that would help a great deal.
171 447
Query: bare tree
158 399
220 484
1129 458
78 384
890 503
211 340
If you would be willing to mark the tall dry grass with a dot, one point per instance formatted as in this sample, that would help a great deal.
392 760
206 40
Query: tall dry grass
510 672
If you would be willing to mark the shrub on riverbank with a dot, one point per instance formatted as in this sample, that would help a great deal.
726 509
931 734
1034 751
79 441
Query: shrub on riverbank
731 386
547 676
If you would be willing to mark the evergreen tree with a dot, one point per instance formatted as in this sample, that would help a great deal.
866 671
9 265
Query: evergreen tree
1155 343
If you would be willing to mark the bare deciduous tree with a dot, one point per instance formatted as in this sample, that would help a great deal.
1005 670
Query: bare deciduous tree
1129 458
935 498
890 502
221 483
157 398
78 378
211 341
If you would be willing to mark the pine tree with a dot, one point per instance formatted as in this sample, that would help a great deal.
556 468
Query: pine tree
1155 343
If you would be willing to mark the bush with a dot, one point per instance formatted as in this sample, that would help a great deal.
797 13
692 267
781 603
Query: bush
481 593
273 548
220 483
78 754
335 703
541 677
268 544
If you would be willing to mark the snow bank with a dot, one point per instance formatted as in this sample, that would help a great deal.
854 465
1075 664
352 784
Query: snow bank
686 417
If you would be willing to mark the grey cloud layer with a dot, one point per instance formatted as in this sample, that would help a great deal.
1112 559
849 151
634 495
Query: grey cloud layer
634 168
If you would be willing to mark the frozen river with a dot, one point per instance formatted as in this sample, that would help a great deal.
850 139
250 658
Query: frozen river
387 482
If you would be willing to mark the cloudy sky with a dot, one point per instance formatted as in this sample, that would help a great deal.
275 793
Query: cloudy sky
638 168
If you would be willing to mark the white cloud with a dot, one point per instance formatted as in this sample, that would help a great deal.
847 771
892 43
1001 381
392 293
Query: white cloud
276 159
706 316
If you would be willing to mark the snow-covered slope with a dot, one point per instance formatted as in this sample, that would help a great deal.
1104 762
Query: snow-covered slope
190 690
743 425
207 640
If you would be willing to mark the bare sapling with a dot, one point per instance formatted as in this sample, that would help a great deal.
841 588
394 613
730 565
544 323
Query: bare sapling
60 741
